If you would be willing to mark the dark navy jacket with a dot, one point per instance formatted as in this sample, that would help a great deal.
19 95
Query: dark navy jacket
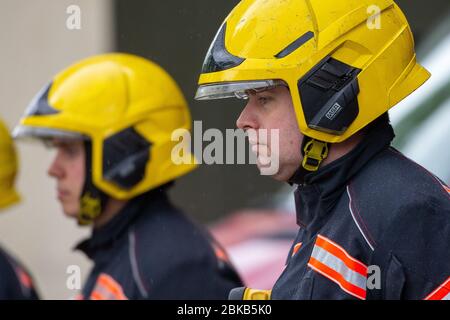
150 250
15 281
371 210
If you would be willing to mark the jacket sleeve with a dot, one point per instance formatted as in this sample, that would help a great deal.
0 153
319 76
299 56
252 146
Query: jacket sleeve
183 267
414 254
191 279
17 283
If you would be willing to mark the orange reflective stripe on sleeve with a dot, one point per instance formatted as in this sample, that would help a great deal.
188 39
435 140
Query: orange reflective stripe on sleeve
97 296
107 288
334 263
441 293
296 248
340 253
24 278
221 254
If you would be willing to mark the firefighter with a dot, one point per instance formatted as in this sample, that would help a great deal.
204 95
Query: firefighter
110 118
372 223
15 282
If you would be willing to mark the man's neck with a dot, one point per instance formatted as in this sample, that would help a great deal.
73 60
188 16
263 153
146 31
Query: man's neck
112 208
338 150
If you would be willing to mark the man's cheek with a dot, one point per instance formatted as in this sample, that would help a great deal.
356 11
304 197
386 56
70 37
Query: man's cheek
79 184
271 158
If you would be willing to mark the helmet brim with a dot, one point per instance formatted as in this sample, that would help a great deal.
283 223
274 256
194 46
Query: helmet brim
239 90
36 133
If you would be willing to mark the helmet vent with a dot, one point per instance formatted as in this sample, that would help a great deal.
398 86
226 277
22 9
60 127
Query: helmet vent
295 45
125 157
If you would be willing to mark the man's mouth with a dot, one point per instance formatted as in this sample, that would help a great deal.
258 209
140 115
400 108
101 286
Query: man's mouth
62 194
262 154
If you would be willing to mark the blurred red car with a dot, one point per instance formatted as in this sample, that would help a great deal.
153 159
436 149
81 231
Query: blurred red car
257 243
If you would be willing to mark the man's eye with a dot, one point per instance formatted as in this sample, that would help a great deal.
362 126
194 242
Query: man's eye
263 100
71 151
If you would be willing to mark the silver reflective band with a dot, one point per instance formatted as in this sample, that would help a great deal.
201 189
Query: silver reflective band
340 267
234 89
24 132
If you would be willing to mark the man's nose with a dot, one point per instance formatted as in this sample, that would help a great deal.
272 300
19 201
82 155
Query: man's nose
55 170
248 118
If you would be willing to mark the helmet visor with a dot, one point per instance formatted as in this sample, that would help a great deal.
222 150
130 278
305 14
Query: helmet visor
36 133
238 90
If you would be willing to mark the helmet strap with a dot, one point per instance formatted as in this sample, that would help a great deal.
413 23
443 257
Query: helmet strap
314 152
92 200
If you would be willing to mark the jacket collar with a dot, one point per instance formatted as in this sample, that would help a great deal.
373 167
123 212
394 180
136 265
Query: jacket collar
318 192
105 236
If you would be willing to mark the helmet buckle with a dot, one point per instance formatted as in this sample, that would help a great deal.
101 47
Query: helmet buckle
315 152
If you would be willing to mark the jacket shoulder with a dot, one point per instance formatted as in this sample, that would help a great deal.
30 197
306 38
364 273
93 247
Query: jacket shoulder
17 282
407 211
392 188
173 255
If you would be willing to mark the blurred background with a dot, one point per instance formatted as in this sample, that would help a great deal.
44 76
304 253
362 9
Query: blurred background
36 44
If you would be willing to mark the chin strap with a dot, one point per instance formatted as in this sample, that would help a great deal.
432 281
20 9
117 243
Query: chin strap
314 152
92 200
90 209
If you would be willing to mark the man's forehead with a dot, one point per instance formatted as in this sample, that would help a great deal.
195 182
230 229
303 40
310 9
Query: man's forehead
272 90
63 142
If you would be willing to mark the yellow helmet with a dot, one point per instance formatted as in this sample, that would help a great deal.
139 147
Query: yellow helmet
342 69
8 169
126 108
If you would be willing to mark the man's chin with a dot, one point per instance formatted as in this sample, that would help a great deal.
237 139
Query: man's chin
70 212
282 174
268 171
279 177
